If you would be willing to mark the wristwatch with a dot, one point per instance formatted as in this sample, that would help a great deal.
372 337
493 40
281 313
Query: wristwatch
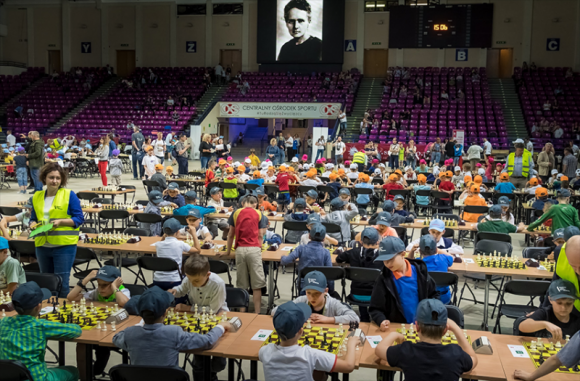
81 285
117 290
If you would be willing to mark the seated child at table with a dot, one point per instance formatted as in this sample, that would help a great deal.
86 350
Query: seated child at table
403 283
159 178
23 337
313 219
446 186
155 202
311 204
335 185
311 254
204 289
505 186
216 201
475 200
392 184
399 201
109 289
533 185
445 245
363 256
11 272
242 176
341 213
382 224
190 200
428 359
457 175
263 204
157 344
436 260
494 223
195 228
256 179
296 213
421 201
172 195
289 361
325 308
231 179
556 320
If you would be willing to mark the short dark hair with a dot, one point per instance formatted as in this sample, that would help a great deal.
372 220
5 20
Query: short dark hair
432 331
303 5
519 145
21 311
51 167
196 265
568 149
149 317
250 199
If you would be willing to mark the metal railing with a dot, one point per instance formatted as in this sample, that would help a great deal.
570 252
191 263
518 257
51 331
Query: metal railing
13 63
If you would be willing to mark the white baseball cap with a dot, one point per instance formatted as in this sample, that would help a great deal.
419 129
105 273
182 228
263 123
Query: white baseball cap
377 171
578 172
353 166
237 164
457 168
559 175
554 171
381 165
481 171
306 167
518 141
295 159
248 161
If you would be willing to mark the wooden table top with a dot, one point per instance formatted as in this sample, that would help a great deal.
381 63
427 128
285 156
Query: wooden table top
110 192
279 217
487 368
465 267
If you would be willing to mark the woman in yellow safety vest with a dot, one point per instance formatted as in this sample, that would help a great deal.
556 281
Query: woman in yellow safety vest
56 249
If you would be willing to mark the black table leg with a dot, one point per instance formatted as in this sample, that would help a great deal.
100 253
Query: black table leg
254 370
61 353
207 368
231 370
89 362
125 355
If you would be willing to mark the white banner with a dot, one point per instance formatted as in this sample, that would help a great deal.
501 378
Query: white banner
281 110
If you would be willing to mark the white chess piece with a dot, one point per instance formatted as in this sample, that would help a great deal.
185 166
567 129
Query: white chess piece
113 326
104 327
308 323
98 326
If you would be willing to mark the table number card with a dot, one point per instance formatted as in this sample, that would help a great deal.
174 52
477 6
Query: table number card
262 334
374 340
519 351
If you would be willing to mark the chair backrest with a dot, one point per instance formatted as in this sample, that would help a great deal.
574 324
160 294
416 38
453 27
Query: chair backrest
358 191
401 232
14 371
237 298
404 192
332 228
538 253
135 289
102 200
124 372
455 314
157 264
127 186
501 237
113 214
137 232
87 229
423 193
219 267
524 287
251 186
227 185
87 254
148 218
444 279
361 274
331 273
89 196
22 247
476 209
294 225
449 233
150 183
486 247
182 219
325 188
9 211
52 282
142 202
438 194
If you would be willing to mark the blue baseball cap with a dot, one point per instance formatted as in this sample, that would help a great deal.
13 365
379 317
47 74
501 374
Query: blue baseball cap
155 300
260 191
3 243
495 211
504 201
290 317
371 234
563 193
558 233
173 186
191 195
431 312
29 295
108 273
389 247
337 203
215 190
315 280
300 202
344 191
384 218
399 197
173 225
437 224
313 218
570 231
317 231
427 244
388 206
561 288
312 193
193 212
155 197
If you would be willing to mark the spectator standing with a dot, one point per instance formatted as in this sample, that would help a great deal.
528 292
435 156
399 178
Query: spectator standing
394 150
159 147
219 74
529 145
35 158
137 153
546 162
289 143
474 154
10 139
449 149
339 148
102 153
182 158
569 163
487 147
343 123
320 145
436 152
519 166
205 150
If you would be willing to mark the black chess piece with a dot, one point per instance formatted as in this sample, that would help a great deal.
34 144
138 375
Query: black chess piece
541 359
188 329
64 304
306 341
350 326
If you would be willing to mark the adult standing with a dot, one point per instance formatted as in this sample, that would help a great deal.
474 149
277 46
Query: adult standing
342 125
449 149
411 154
112 144
546 162
10 139
320 145
56 249
102 153
219 74
137 153
281 149
205 150
273 152
436 150
181 149
487 147
394 150
519 166
474 155
529 145
159 147
289 143
339 148
35 158
569 163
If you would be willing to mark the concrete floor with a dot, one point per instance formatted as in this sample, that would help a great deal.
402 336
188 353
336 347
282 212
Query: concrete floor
473 313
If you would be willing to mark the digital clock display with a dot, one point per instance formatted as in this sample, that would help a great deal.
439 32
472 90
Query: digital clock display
440 27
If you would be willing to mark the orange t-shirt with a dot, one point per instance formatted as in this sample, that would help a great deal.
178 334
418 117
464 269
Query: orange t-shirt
390 232
265 205
473 200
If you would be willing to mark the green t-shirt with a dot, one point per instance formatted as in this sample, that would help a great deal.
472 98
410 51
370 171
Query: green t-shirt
11 272
496 226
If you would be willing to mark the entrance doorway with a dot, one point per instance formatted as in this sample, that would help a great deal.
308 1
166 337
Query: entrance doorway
125 62
500 63
232 59
376 63
54 61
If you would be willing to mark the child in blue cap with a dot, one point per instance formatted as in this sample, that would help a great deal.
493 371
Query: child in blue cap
288 360
436 260
429 359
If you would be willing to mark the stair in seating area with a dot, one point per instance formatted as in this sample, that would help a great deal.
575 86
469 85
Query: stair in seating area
504 91
15 98
369 95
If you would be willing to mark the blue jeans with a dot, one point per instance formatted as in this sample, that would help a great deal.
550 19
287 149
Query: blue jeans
137 158
204 161
22 176
37 183
57 260
435 157
456 160
394 161
161 159
338 157
319 154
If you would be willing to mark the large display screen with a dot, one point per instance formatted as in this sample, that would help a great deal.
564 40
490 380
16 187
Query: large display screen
300 31
441 26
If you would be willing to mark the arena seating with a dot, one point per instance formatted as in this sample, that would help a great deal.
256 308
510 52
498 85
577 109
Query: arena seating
539 86
279 87
51 100
10 85
477 113
121 105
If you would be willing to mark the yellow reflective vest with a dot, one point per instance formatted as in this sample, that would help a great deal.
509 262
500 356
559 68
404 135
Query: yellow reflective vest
359 158
55 145
526 158
61 235
566 272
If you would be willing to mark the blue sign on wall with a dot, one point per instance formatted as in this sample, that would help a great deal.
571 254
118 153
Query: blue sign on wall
85 47
553 44
461 55
350 45
191 46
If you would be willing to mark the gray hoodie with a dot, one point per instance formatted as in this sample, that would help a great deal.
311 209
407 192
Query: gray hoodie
342 218
342 313
115 166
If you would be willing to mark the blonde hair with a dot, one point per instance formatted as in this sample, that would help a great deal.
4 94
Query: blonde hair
273 141
205 137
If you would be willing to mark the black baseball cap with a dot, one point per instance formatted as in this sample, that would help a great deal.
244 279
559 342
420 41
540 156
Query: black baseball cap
108 273
29 295
431 312
155 300
561 288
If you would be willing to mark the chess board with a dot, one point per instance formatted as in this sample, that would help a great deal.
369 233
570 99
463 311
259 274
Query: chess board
539 356
192 324
87 322
501 263
314 337
223 249
105 241
414 338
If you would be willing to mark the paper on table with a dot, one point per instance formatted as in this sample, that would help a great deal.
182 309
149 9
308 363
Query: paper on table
374 340
541 268
45 310
468 260
262 334
519 351
287 248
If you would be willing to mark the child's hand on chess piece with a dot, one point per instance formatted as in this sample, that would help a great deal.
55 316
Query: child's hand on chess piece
182 307
321 319
92 275
226 324
554 330
384 325
353 341
174 205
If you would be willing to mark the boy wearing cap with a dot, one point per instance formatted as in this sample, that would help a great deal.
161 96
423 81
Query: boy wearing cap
116 167
494 223
289 361
190 199
340 214
335 185
195 227
325 309
382 226
257 179
421 201
446 186
11 272
436 260
505 186
157 344
403 283
533 186
363 256
555 320
216 201
23 337
155 202
159 178
263 204
562 215
172 195
444 245
392 184
311 204
313 219
428 359
296 213
473 199
149 162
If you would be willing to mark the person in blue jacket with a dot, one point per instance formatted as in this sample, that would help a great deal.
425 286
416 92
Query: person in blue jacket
190 199
457 153
436 262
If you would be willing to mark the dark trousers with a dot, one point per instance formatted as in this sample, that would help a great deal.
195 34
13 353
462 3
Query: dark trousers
217 365
183 163
394 161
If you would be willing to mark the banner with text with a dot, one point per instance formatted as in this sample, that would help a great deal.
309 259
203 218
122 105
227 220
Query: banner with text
281 110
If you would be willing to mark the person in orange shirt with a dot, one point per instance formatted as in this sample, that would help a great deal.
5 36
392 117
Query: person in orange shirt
263 204
478 180
383 226
392 185
473 200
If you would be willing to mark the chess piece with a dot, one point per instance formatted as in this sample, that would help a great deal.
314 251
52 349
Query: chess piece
98 326
567 339
225 316
113 326
3 313
558 345
308 324
340 329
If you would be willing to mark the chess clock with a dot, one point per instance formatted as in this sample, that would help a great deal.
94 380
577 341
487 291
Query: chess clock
236 324
360 334
118 316
482 346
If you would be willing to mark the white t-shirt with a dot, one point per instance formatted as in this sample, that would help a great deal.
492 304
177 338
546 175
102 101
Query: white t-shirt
289 142
172 248
488 147
342 117
11 140
47 205
294 362
339 148
93 295
158 147
352 175
149 163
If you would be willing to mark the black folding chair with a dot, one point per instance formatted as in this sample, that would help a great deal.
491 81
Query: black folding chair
219 267
125 372
102 200
456 315
363 191
303 189
500 237
155 264
111 215
88 196
446 280
51 282
142 202
237 299
436 197
137 232
129 187
149 184
333 229
88 230
331 273
295 226
14 371
251 187
135 289
537 253
421 193
358 274
225 186
84 256
9 210
26 249
182 219
402 233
